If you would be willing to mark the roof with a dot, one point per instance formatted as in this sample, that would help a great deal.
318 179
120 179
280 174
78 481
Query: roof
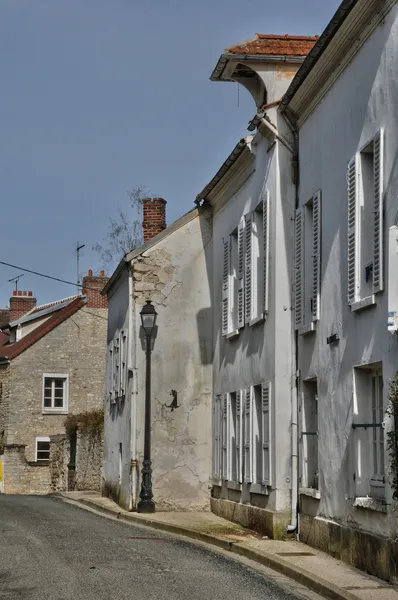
274 45
10 351
318 49
42 311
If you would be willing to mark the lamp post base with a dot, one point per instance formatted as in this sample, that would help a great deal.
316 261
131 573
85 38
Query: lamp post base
146 506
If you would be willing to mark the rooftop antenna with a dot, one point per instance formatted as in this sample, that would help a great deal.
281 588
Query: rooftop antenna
78 248
16 279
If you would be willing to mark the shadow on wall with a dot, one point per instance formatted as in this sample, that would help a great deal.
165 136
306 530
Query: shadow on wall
204 328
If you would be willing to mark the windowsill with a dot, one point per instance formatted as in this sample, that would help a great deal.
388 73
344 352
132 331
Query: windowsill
364 303
54 412
233 485
370 504
258 319
38 463
232 334
258 488
305 329
217 482
311 492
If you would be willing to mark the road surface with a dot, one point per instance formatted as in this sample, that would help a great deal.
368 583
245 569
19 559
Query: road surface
53 550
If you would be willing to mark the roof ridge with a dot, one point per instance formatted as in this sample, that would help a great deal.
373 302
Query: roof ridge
286 36
53 303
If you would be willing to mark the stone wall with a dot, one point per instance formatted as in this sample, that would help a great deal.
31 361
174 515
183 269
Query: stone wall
21 476
59 459
4 401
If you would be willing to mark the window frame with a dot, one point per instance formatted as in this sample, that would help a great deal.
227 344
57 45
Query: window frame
41 438
65 407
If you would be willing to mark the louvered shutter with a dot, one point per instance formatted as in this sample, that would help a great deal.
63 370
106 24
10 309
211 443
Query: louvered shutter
123 355
316 254
299 268
225 288
353 263
216 438
378 176
248 435
116 367
266 207
248 266
241 274
266 434
240 398
225 436
110 374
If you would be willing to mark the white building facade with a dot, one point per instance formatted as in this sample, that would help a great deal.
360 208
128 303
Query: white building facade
343 107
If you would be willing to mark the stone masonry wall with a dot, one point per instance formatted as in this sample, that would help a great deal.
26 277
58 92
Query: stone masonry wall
4 402
89 456
76 348
21 477
59 459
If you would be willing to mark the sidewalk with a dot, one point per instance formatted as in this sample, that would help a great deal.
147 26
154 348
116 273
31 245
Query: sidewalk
316 570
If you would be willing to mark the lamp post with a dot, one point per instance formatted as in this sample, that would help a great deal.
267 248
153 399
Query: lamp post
148 321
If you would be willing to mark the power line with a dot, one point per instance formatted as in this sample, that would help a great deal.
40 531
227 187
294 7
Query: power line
46 276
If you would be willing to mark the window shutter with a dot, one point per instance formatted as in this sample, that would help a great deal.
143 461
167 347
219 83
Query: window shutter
216 438
225 436
123 353
248 266
240 397
266 434
299 268
225 288
110 373
353 263
316 253
378 174
248 435
266 204
241 274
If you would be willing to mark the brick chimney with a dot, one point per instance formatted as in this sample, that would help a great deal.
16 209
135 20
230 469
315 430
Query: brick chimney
21 303
92 288
154 217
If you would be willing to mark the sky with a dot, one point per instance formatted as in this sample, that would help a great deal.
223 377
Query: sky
101 96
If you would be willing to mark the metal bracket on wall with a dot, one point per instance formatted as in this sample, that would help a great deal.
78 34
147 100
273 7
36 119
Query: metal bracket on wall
366 425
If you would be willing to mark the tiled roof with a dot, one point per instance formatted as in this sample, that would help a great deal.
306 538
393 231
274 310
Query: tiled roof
12 350
275 45
4 337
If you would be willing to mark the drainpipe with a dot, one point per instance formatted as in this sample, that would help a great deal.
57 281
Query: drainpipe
294 524
275 132
133 404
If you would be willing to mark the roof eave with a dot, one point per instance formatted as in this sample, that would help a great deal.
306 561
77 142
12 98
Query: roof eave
115 276
227 56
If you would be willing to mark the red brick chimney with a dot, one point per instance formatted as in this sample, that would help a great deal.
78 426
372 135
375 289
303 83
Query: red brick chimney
92 288
21 303
154 217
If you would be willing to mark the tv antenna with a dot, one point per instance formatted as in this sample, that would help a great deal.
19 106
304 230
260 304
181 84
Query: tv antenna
78 248
16 279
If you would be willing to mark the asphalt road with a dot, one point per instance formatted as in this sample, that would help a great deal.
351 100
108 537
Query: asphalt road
53 550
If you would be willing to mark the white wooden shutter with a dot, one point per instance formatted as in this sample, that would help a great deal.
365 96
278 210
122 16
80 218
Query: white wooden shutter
216 438
352 251
248 266
123 362
110 374
378 175
225 288
266 434
225 436
266 207
299 268
316 253
241 274
116 360
240 398
248 435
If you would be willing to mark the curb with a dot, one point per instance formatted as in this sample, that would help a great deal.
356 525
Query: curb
310 580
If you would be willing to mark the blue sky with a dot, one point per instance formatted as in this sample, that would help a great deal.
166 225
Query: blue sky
99 96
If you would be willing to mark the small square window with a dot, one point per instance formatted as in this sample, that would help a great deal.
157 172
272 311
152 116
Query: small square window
55 393
42 449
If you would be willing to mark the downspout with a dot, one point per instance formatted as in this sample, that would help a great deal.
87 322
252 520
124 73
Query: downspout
133 402
294 523
275 132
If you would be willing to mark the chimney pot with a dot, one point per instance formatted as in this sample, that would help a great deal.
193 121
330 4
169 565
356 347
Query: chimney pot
14 293
102 273
25 293
90 273
19 292
30 294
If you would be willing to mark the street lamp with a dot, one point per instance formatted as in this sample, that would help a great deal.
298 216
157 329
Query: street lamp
148 321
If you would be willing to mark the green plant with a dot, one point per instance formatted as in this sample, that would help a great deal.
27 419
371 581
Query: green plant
86 422
392 434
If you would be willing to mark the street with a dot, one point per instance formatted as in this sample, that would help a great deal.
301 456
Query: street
54 550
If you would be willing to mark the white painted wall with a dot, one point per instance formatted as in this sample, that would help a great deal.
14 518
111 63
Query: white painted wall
363 99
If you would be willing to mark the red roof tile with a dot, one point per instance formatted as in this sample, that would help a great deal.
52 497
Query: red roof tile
275 45
13 350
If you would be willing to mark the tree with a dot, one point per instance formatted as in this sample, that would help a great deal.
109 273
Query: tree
124 232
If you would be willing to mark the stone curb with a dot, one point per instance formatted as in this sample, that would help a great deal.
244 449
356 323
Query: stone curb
310 580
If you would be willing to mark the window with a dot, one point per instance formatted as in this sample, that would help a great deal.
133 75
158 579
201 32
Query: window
365 221
217 438
368 426
309 436
245 270
123 358
55 393
308 262
42 449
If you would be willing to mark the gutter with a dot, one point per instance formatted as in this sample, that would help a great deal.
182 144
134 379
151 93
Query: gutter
226 57
319 48
232 158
